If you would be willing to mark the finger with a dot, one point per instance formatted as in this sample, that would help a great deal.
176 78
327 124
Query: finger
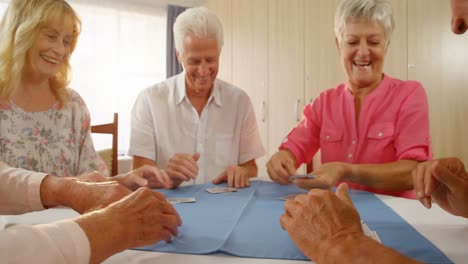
418 177
170 222
222 177
275 177
196 156
230 178
292 207
289 167
169 209
308 184
237 178
446 177
285 221
164 179
177 175
342 193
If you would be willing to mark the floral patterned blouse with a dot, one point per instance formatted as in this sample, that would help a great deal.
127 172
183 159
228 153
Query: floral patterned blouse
56 141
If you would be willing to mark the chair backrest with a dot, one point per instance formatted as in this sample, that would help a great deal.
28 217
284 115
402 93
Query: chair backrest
110 128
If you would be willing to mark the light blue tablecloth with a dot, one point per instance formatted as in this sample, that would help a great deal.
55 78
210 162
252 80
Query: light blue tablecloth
246 224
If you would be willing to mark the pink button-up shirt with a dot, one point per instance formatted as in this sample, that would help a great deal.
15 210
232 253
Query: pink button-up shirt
393 125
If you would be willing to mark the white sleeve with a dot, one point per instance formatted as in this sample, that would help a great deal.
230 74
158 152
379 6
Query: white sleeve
250 146
60 242
142 135
19 190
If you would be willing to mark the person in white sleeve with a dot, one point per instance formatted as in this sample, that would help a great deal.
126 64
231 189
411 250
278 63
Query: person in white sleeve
114 219
193 125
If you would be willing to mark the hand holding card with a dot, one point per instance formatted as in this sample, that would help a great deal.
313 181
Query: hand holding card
301 176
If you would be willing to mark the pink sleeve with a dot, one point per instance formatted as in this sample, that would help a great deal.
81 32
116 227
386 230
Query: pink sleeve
412 140
304 140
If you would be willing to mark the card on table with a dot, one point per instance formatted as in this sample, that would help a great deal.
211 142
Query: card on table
181 200
289 196
302 176
221 190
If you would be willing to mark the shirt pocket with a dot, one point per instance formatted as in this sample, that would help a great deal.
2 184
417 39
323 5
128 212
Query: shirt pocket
224 146
331 145
382 131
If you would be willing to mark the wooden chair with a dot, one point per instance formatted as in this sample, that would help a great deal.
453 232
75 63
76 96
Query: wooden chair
110 128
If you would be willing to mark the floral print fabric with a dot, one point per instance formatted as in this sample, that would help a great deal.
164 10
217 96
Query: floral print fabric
57 141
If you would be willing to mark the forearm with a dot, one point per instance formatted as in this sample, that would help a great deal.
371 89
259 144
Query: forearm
56 191
360 249
251 167
395 176
103 243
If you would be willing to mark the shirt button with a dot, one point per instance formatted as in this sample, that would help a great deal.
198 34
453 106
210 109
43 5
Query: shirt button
327 137
380 134
354 142
350 155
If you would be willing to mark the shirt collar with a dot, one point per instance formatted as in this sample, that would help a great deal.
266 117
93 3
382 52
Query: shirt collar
381 89
180 91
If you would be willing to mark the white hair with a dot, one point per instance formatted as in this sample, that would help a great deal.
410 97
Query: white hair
379 11
200 22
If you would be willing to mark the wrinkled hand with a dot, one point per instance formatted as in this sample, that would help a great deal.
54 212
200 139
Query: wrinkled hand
183 167
236 176
446 182
281 166
145 176
92 177
141 218
86 196
319 219
326 176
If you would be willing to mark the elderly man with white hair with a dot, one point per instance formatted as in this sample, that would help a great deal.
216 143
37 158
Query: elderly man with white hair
194 126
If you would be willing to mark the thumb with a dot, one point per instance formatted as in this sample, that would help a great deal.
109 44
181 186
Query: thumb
445 176
342 193
196 156
222 177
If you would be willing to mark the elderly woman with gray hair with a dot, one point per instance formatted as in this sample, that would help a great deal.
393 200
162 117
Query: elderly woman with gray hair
373 129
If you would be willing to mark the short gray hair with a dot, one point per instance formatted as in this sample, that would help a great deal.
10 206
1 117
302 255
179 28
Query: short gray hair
379 11
200 22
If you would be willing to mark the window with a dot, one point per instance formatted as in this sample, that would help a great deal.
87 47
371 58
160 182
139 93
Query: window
119 53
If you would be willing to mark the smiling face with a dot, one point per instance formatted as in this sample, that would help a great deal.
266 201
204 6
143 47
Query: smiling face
51 49
200 61
363 48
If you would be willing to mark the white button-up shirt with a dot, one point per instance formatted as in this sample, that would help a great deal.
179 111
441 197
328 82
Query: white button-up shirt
164 123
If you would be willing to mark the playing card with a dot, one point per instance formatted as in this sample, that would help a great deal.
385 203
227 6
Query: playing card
376 237
366 230
221 190
181 200
302 176
289 196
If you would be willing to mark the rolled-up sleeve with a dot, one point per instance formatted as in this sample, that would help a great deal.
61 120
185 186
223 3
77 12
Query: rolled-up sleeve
412 138
142 138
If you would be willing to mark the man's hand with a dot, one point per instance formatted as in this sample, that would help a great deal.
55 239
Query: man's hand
235 176
183 166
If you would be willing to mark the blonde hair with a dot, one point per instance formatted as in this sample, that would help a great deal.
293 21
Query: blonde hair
19 28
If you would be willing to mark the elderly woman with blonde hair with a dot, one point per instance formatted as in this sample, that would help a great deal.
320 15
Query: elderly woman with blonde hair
373 129
45 126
